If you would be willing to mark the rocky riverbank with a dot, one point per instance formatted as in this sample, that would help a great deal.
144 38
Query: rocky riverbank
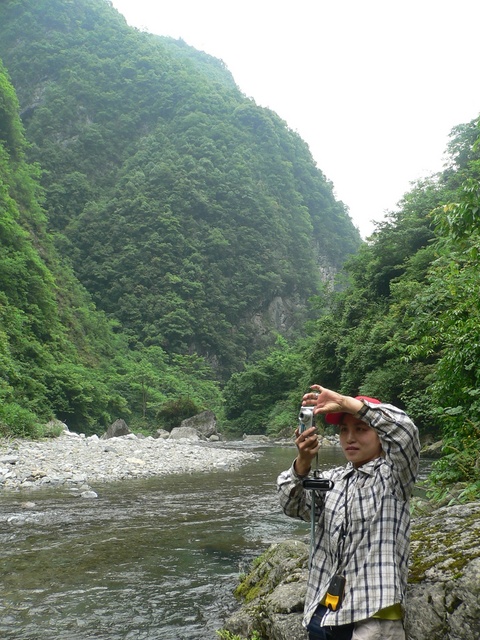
443 596
76 462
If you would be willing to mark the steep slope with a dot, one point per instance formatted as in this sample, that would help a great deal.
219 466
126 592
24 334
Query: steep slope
44 314
59 356
195 218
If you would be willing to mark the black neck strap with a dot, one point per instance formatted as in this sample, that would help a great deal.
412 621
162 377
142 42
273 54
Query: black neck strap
344 529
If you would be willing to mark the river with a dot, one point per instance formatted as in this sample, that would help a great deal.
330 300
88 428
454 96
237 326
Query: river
153 559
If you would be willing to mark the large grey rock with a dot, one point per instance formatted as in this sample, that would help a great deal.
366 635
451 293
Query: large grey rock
56 425
205 423
255 438
464 603
288 627
433 450
284 608
426 612
274 592
242 623
444 590
187 433
117 429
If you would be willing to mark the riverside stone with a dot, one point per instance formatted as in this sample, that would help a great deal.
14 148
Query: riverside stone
73 460
205 423
117 429
188 433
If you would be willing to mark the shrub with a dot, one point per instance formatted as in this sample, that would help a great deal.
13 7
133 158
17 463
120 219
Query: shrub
171 414
15 421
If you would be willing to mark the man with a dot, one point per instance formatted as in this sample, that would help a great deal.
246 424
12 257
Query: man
359 564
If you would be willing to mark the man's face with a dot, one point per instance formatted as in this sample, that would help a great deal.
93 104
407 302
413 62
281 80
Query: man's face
360 443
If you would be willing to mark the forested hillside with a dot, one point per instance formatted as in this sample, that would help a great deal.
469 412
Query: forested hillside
405 327
195 219
43 333
60 357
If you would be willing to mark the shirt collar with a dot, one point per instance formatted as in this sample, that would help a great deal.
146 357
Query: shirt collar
368 468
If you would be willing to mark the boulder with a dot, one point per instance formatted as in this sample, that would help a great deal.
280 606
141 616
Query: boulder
255 438
56 426
443 596
117 429
433 450
274 594
187 433
205 424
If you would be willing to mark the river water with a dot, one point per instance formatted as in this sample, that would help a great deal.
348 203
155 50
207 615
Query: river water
147 560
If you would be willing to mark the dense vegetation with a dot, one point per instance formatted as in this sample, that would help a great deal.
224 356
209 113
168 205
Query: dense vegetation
168 246
59 356
193 217
405 327
177 202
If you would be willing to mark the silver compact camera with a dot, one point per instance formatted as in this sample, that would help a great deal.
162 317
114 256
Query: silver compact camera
305 419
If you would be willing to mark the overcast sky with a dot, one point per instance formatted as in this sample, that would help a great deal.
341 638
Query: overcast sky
374 87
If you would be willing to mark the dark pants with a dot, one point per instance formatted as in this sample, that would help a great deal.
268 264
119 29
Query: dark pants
317 632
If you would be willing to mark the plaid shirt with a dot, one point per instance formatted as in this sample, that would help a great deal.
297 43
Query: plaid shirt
375 558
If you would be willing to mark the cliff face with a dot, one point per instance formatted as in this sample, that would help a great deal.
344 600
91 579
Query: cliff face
443 600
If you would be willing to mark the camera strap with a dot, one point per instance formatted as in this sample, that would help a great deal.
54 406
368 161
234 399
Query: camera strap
343 531
312 513
336 589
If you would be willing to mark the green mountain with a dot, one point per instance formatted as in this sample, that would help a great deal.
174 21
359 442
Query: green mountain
59 356
404 328
197 221
51 340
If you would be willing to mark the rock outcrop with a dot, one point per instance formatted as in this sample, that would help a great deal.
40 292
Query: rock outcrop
444 586
117 429
205 423
443 601
202 426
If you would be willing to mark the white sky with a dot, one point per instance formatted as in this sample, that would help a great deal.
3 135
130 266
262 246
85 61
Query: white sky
373 87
